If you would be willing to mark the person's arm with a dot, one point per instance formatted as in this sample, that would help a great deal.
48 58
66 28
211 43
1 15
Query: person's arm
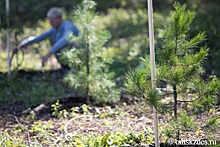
60 43
32 39
36 39
46 57
63 40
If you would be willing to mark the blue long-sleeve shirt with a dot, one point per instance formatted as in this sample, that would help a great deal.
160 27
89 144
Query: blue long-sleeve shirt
59 36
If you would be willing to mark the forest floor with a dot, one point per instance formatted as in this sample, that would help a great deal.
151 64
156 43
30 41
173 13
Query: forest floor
61 122
42 126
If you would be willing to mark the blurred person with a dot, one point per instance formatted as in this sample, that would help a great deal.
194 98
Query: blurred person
58 35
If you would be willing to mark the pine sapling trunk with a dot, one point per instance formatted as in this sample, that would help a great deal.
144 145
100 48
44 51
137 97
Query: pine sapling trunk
175 106
88 72
175 100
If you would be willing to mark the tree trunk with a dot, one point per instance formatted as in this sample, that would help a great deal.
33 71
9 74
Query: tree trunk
175 100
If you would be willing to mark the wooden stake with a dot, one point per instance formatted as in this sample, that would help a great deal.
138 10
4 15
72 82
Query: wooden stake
8 35
153 74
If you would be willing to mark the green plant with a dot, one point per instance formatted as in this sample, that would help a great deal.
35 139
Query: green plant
32 87
57 112
138 83
116 138
31 116
92 77
180 67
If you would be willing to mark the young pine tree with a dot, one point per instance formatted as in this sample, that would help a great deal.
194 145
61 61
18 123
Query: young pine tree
179 66
183 65
92 76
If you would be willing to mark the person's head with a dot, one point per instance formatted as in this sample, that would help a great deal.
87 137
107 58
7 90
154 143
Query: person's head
55 16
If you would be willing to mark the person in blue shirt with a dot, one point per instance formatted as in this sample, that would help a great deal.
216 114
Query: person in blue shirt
58 35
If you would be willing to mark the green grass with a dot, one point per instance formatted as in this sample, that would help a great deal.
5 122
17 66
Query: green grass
28 61
32 90
34 85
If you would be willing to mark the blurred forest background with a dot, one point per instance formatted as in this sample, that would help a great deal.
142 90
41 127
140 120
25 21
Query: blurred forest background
125 19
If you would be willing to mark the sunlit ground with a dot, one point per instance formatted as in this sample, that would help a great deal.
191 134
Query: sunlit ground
28 61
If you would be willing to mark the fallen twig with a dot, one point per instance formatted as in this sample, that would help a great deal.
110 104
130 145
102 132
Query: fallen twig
67 134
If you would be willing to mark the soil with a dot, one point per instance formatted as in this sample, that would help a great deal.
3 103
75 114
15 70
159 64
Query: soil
134 120
134 117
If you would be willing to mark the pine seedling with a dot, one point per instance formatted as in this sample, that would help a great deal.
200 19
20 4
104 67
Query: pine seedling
184 65
179 66
92 77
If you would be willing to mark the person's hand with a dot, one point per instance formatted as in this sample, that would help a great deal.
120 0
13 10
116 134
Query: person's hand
19 46
45 58
15 50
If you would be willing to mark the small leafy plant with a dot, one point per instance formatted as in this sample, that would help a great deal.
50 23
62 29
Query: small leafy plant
56 110
117 138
